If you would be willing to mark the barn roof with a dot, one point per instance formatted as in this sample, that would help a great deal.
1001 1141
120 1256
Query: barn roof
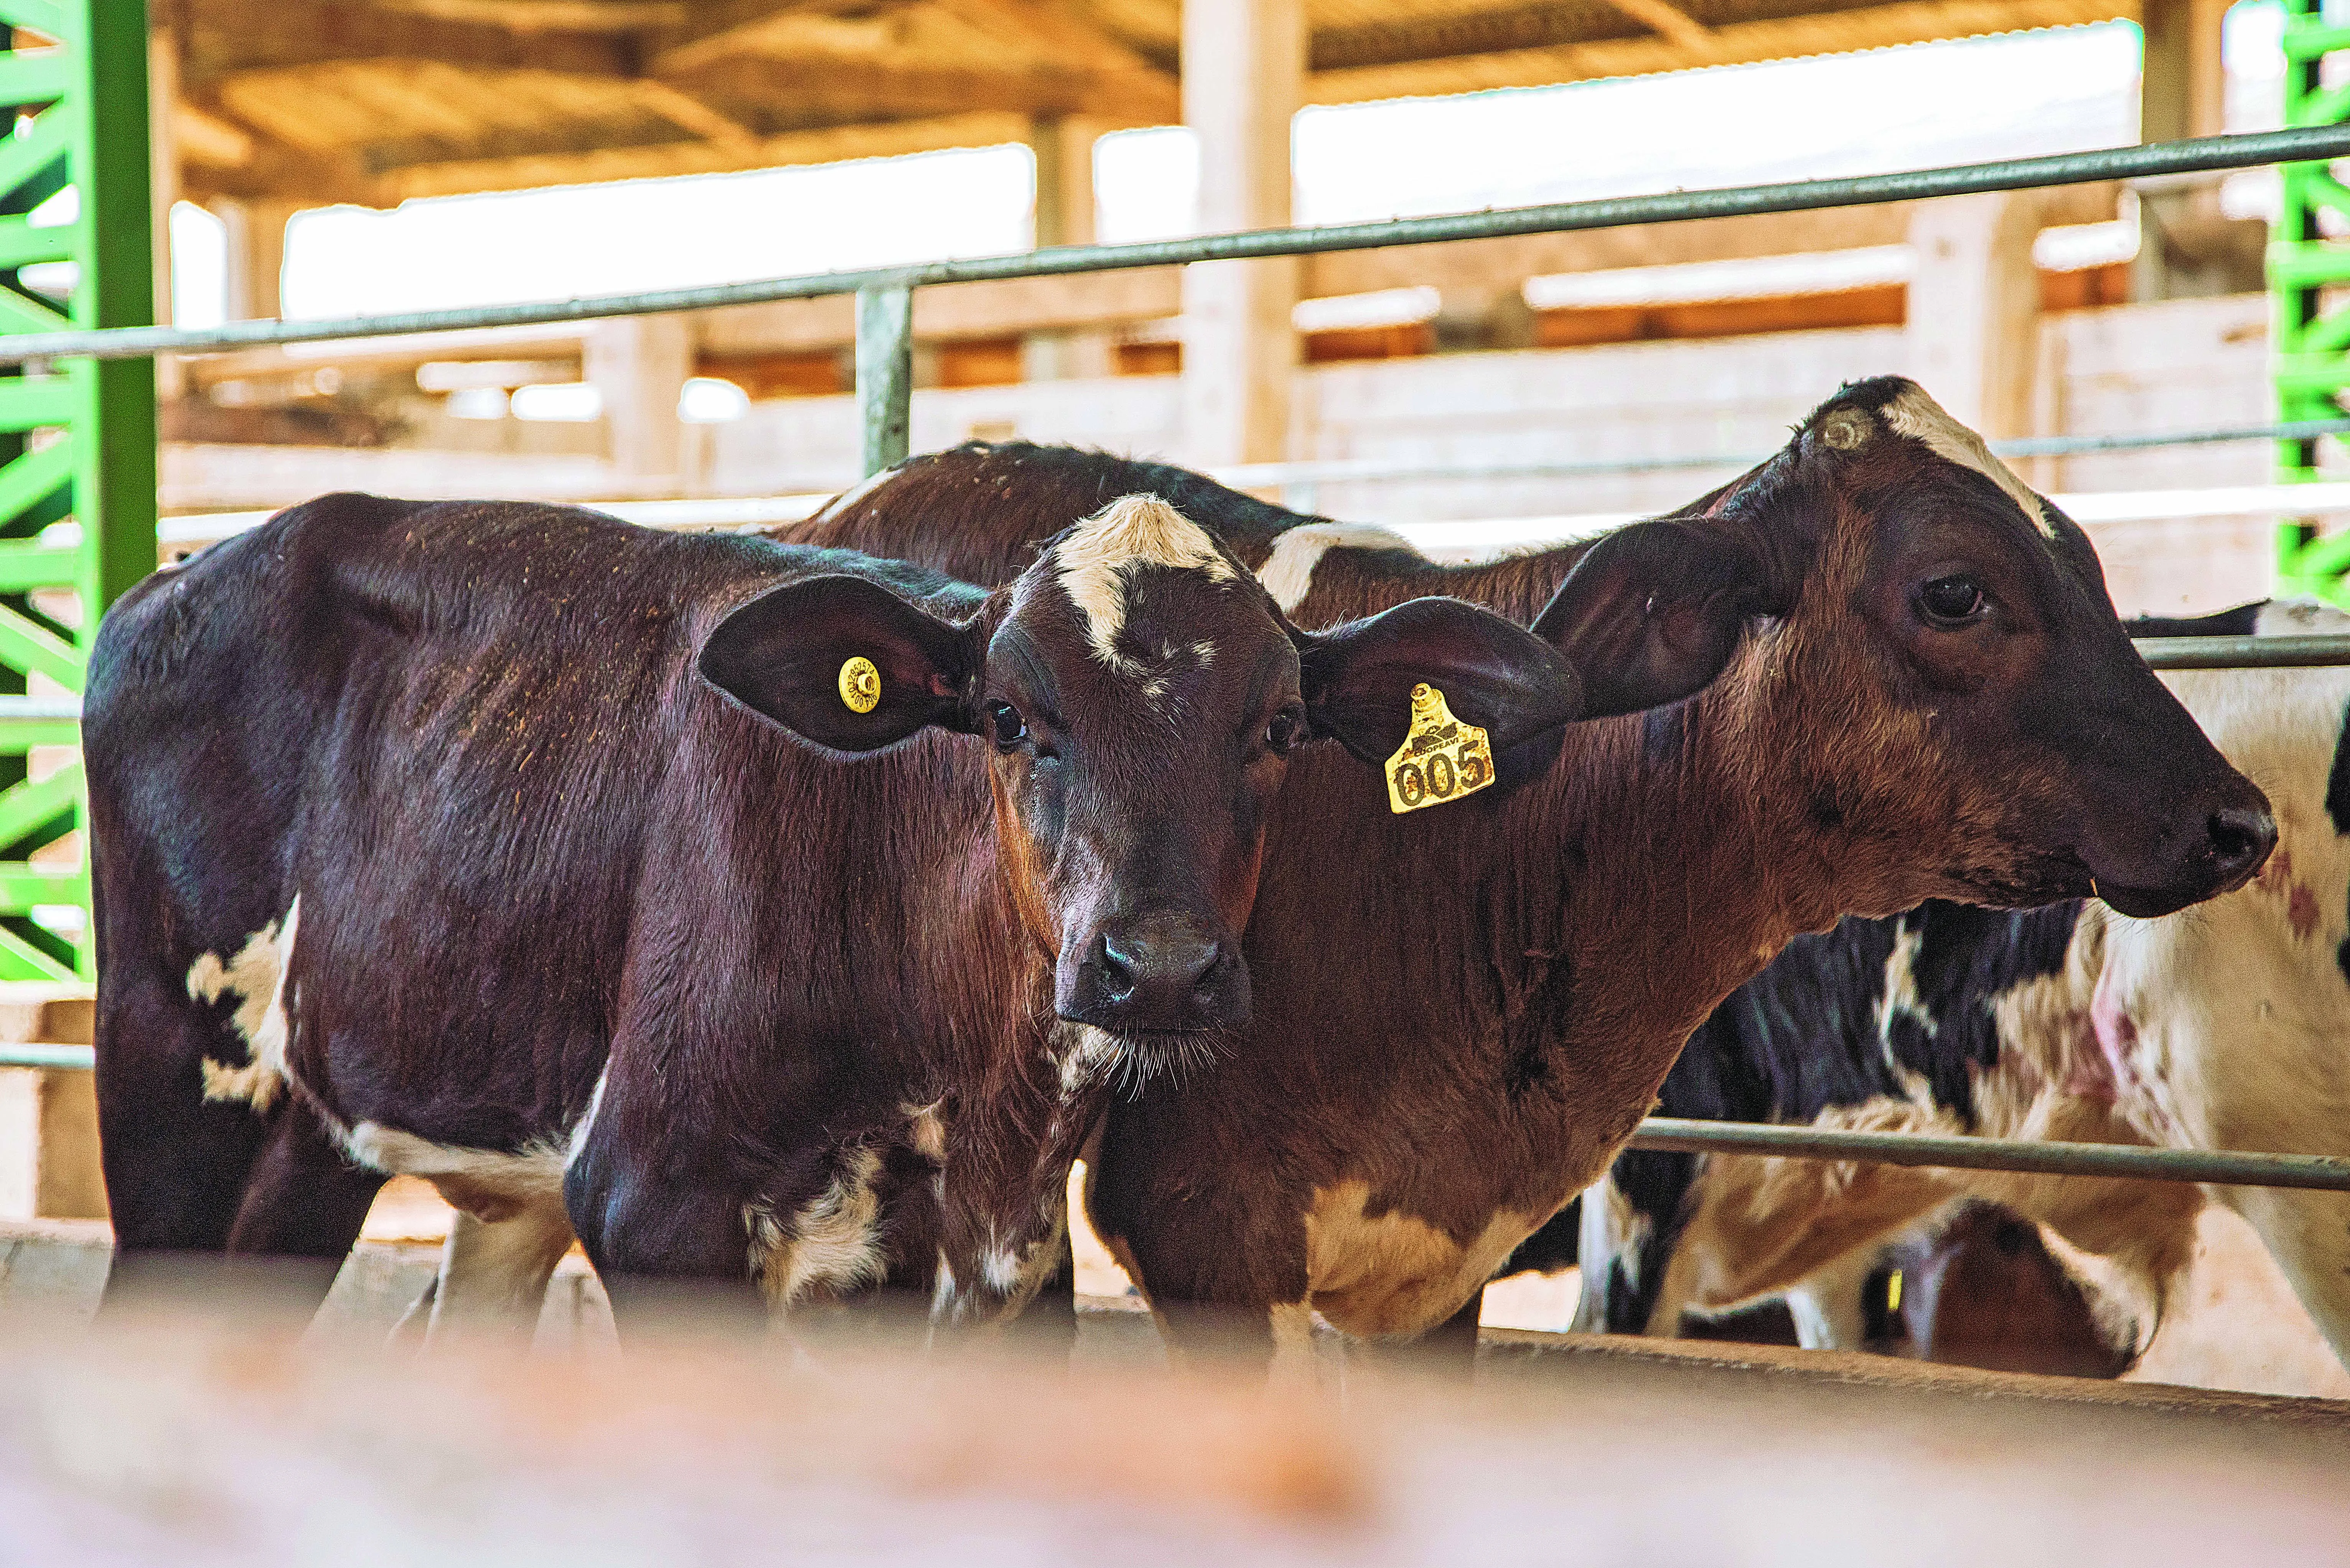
374 101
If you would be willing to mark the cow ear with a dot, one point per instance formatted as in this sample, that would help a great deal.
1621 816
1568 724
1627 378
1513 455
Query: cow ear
1358 678
1652 612
845 662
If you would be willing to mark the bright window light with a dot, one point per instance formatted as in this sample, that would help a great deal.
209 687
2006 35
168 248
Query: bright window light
478 403
707 401
199 267
573 402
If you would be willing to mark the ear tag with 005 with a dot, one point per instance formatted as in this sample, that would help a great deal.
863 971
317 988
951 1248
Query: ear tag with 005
860 685
1441 759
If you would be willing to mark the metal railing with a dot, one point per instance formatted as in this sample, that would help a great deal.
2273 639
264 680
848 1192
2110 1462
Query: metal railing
884 375
1943 1152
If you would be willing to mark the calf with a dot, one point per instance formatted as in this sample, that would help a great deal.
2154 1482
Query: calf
2231 1028
1462 1012
771 916
1946 1020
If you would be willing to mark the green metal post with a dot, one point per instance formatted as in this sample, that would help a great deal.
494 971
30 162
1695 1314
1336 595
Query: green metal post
2311 342
884 373
77 441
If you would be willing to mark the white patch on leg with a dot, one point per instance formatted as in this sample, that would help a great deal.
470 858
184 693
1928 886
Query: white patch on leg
1919 417
480 1180
1091 561
587 1124
256 977
833 1242
494 1276
926 1131
1288 573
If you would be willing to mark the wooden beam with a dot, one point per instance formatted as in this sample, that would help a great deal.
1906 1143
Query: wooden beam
227 36
683 108
783 93
1668 21
204 136
1420 59
1069 38
720 28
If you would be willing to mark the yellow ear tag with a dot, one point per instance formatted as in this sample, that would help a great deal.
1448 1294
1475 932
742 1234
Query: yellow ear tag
860 685
1441 759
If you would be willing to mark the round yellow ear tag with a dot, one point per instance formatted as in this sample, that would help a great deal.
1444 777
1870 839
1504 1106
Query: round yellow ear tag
860 685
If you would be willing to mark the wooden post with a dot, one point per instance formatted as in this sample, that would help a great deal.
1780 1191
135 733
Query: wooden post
885 374
1974 308
640 364
163 192
2182 92
1064 150
1243 74
257 256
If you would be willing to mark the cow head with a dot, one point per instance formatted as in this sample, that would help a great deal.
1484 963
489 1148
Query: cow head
1139 694
1937 673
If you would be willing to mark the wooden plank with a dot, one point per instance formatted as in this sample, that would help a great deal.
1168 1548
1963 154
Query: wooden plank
225 36
1389 62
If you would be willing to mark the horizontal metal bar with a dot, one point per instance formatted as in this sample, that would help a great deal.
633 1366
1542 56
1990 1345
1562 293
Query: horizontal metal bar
2201 154
65 1058
2221 1167
40 707
2244 652
1267 476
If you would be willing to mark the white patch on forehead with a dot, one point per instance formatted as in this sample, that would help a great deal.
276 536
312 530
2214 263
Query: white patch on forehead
1288 573
856 493
1916 415
256 977
1092 559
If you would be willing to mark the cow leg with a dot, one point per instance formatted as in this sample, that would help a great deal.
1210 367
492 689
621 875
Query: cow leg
1203 1333
1448 1350
176 1163
670 1255
303 1209
1827 1303
2308 1233
494 1272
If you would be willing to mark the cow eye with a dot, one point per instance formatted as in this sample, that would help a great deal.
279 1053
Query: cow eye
1286 731
1951 601
1008 727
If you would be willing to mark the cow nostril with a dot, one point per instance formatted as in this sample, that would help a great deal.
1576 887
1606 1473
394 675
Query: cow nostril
1204 965
2242 837
1118 972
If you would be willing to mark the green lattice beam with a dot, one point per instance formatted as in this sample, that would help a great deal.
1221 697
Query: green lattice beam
76 444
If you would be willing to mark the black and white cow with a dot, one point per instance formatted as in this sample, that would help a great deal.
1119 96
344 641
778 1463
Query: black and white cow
2226 1026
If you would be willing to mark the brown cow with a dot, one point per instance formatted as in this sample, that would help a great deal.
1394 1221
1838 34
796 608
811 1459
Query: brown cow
473 841
1461 1012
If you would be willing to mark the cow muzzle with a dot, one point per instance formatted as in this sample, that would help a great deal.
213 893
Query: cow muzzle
1168 973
